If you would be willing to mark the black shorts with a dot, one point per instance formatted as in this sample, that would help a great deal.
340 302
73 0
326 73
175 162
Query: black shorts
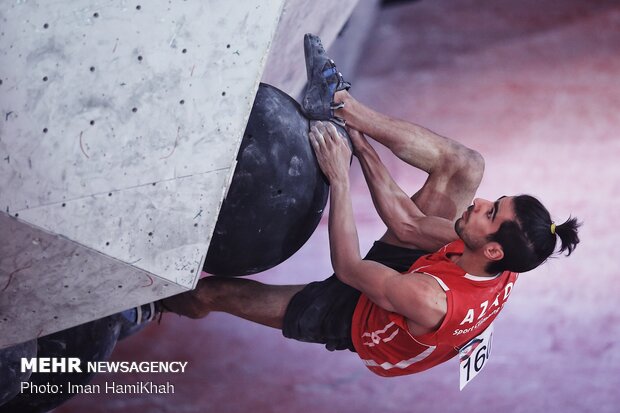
322 312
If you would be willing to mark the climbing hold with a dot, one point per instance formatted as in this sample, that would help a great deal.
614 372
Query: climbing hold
277 194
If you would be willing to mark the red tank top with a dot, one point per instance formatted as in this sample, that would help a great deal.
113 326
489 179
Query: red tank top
382 338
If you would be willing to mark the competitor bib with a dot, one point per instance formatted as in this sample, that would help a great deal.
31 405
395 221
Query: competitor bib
474 355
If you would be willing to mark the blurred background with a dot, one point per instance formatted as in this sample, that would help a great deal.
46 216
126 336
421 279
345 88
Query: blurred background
531 84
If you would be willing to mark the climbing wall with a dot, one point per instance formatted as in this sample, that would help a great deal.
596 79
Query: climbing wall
119 125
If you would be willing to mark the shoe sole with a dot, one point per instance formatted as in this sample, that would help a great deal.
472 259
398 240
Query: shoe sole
312 48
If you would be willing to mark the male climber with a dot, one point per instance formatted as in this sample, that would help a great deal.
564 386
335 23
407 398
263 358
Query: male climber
403 308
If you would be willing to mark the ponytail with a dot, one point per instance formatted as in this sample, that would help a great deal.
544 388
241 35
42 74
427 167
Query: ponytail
567 232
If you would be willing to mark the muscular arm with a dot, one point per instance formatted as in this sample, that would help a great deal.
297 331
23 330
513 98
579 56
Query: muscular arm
416 296
400 214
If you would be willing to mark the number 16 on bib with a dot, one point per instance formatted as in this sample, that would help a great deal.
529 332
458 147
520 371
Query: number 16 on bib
474 355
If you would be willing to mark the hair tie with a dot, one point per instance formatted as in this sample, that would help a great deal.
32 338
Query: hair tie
553 228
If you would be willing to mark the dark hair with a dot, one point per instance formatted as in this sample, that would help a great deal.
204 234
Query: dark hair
528 241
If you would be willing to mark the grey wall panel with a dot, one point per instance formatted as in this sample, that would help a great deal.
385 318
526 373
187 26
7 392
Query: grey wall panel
126 98
49 283
162 227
